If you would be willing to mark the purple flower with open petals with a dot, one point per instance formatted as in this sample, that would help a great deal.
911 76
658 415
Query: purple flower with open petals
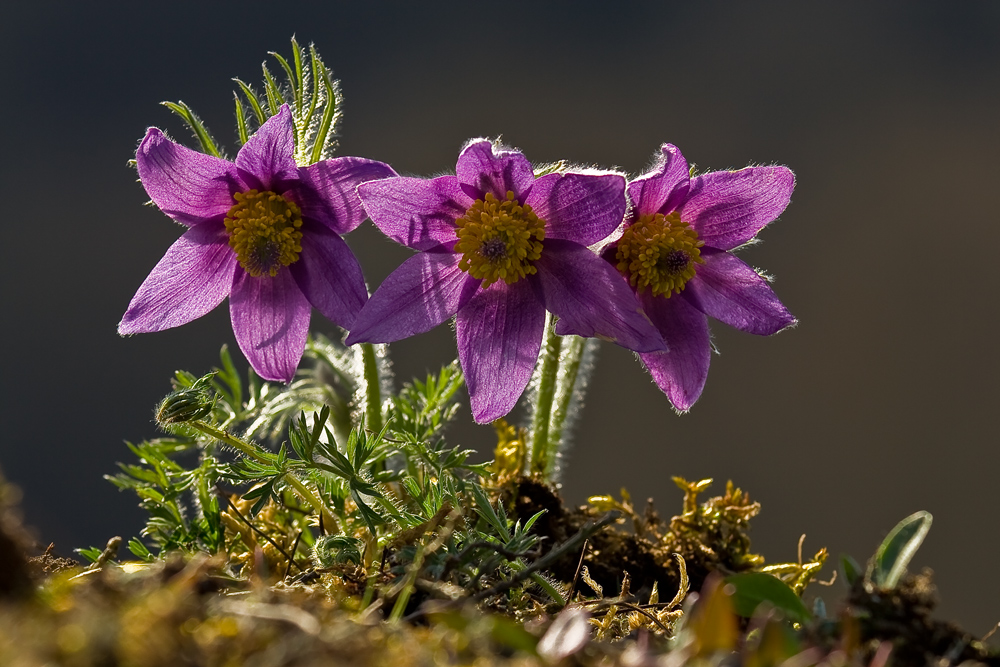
674 251
262 231
499 248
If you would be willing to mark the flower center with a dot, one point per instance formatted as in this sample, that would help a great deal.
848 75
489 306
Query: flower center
265 231
659 252
499 240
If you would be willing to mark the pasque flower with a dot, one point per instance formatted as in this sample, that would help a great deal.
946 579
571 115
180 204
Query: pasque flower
498 248
262 231
674 252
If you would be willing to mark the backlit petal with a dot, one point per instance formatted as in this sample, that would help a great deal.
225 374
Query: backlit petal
269 155
725 288
328 194
499 335
189 186
271 320
329 275
681 372
483 168
416 212
193 277
664 187
728 208
583 208
591 298
423 292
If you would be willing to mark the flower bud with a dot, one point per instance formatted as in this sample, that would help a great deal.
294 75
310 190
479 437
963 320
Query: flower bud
184 406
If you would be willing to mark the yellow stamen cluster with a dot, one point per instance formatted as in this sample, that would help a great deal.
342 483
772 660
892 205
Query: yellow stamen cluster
499 240
265 231
659 252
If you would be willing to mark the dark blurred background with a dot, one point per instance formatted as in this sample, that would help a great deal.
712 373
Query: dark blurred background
880 403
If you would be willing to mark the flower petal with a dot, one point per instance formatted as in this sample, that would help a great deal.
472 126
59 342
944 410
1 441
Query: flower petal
193 277
728 208
269 154
484 168
271 320
189 186
423 292
579 207
416 212
329 276
663 188
591 298
499 335
328 190
681 372
725 288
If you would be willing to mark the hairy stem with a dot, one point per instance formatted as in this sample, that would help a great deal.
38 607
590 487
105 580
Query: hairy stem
373 389
566 388
254 452
551 348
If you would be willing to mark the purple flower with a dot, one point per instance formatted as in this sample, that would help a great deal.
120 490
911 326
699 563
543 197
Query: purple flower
674 251
499 248
262 231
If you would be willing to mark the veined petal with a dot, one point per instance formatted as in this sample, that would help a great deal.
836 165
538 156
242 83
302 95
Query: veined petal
484 169
416 212
423 292
681 372
189 186
329 276
583 208
591 298
269 154
499 335
725 288
193 277
728 208
328 190
663 188
271 320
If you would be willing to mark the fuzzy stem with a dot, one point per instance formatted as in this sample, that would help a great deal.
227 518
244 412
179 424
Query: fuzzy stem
543 401
566 388
253 452
373 389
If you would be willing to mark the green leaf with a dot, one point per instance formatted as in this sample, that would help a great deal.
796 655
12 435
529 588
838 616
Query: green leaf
90 553
252 99
896 551
241 121
852 571
199 129
139 550
753 588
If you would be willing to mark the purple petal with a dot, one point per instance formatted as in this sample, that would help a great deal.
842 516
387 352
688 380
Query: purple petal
728 208
271 320
499 334
416 212
193 277
579 207
328 190
329 276
269 154
725 288
681 372
189 186
591 298
423 292
664 187
487 169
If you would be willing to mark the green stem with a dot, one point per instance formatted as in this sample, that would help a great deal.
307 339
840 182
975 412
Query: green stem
566 386
247 449
373 389
543 401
